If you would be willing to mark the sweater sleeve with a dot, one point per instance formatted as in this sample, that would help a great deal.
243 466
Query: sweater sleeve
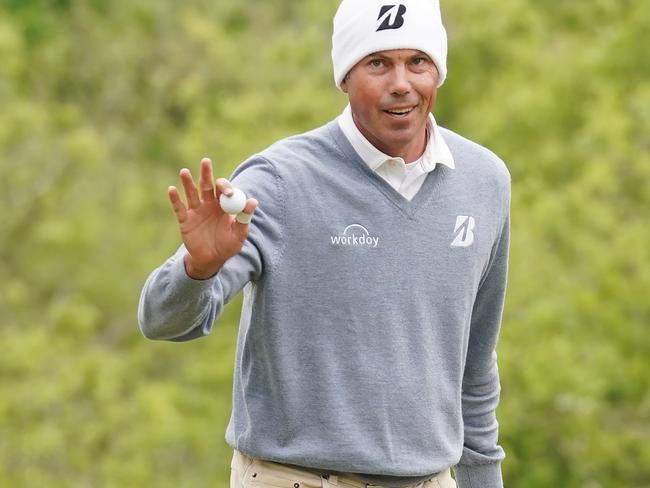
176 307
480 463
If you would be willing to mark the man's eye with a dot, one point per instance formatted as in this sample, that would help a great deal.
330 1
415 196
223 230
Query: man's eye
375 63
419 61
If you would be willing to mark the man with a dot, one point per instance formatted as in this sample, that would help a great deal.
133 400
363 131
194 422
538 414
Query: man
374 274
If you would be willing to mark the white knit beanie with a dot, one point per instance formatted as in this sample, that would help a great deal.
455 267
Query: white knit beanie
363 27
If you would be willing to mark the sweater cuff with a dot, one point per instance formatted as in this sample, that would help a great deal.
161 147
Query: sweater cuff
479 475
180 278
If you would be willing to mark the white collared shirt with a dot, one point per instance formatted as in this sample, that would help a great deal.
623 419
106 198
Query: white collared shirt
407 179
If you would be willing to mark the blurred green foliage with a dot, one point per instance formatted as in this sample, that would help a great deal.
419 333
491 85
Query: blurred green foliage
101 103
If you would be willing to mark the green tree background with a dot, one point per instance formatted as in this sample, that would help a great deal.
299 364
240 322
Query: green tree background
101 103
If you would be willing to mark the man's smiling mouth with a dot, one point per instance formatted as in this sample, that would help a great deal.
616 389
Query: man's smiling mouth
399 112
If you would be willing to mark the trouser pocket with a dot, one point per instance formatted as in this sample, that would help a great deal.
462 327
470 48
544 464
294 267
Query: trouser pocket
253 473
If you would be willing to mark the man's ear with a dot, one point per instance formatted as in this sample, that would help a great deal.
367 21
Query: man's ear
344 83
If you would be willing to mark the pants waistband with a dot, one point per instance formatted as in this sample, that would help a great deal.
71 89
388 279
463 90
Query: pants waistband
243 463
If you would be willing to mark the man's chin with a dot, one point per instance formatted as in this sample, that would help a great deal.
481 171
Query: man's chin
400 136
394 146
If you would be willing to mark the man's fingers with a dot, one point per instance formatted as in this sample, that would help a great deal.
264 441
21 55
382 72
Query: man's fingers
177 204
191 192
223 186
240 224
206 185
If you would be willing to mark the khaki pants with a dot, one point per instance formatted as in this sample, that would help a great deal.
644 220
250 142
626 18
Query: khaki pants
253 473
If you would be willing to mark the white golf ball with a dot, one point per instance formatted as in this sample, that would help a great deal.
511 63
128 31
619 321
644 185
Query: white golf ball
234 203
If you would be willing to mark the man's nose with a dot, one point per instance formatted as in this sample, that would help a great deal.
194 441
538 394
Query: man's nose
400 83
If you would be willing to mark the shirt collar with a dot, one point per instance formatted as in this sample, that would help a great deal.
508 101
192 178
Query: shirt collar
435 152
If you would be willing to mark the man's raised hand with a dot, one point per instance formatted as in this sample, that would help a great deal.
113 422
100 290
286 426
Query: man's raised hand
210 235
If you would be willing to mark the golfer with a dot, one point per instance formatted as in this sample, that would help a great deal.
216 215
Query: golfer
372 253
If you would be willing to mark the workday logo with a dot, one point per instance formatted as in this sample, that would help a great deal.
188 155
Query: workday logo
391 16
355 235
464 231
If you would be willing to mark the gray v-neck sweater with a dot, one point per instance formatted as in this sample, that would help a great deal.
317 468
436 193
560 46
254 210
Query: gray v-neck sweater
368 331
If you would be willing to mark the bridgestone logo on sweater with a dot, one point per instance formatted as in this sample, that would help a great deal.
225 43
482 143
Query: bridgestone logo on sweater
464 231
355 235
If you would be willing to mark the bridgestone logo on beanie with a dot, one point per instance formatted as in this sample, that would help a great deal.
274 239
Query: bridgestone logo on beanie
391 13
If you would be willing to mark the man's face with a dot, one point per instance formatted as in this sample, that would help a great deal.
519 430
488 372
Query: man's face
391 94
